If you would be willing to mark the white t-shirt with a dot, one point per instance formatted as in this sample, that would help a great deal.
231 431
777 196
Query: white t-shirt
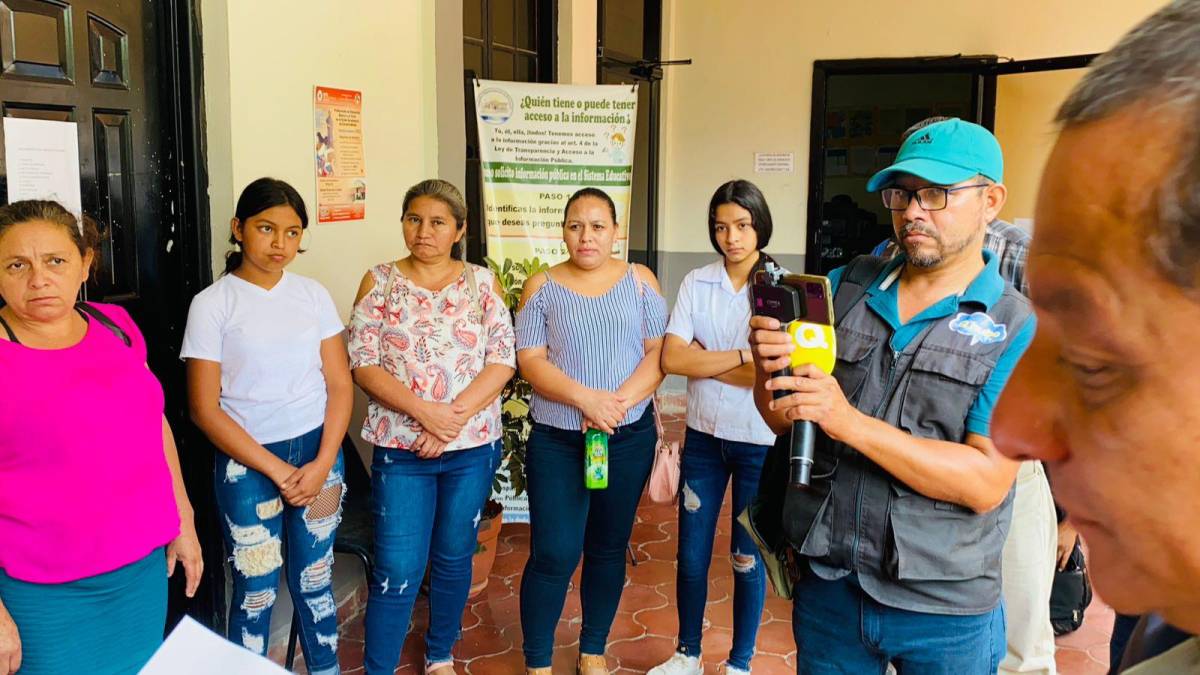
269 346
707 309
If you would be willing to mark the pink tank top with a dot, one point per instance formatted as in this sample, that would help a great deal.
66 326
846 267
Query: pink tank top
84 484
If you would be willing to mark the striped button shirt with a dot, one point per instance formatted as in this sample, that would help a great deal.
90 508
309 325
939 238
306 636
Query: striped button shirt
596 341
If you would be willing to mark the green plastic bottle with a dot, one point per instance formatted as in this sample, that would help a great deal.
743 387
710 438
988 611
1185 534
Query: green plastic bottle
595 459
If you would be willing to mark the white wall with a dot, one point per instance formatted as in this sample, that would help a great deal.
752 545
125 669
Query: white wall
750 86
262 59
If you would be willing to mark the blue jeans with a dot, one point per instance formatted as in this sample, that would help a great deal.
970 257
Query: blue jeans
840 629
707 465
257 525
568 520
427 512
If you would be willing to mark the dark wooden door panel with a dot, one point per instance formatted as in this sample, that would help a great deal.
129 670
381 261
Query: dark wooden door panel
123 71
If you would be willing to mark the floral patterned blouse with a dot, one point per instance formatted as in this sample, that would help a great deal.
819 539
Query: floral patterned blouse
437 343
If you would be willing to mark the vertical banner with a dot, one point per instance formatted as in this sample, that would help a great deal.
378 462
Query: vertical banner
340 164
538 144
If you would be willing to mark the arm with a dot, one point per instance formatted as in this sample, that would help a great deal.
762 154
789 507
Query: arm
644 380
646 377
186 547
973 474
340 389
547 379
681 358
204 403
742 376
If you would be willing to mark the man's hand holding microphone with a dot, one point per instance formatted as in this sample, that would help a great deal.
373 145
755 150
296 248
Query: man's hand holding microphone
815 395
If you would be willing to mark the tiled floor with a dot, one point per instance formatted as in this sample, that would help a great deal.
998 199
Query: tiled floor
645 629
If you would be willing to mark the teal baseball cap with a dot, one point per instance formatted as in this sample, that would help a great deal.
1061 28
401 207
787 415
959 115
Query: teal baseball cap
945 153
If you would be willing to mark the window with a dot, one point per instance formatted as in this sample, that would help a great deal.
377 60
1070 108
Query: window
509 39
502 40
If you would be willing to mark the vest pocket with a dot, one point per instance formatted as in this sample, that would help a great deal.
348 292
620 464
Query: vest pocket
852 365
798 506
941 388
930 540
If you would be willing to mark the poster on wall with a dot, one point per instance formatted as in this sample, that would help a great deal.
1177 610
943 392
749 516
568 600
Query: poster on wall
42 157
338 150
539 143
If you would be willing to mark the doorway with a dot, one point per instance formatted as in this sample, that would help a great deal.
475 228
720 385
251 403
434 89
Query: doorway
862 106
128 74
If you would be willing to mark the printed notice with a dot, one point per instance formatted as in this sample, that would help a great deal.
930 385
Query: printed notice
539 144
43 161
340 161
774 162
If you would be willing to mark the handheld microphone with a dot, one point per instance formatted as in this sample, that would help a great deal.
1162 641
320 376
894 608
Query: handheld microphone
803 306
815 344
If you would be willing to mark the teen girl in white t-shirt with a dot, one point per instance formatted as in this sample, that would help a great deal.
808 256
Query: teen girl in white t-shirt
268 382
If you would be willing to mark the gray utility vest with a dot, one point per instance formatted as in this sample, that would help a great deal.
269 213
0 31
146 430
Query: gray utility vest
909 551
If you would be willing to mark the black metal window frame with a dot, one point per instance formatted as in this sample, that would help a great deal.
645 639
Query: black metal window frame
546 44
646 69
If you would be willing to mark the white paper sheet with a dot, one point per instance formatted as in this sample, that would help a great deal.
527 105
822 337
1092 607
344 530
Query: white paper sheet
192 649
43 161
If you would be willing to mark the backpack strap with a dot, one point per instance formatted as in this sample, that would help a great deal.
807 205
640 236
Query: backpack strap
473 289
86 310
391 281
856 280
12 337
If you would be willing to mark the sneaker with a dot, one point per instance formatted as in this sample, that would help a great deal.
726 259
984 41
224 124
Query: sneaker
679 664
727 669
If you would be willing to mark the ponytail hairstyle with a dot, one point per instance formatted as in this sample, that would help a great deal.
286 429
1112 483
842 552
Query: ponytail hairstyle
262 194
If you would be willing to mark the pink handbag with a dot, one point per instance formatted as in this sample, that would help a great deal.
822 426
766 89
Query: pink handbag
664 477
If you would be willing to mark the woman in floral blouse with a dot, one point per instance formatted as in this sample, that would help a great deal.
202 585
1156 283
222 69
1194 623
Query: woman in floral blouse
431 343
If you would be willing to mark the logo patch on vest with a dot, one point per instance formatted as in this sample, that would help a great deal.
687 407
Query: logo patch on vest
979 327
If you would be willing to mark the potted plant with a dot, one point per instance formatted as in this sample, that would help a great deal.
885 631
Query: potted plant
514 413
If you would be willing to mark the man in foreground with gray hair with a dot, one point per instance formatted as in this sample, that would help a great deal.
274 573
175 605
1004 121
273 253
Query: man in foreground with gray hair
1108 395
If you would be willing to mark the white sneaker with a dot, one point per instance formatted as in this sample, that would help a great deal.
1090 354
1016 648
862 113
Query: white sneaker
679 664
731 670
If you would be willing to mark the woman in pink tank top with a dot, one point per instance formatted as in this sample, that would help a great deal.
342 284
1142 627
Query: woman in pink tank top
90 488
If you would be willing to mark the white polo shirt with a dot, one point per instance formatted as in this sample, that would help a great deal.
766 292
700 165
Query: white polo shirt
708 310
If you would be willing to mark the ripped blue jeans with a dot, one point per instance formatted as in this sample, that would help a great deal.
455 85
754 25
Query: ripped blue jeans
427 513
258 527
706 468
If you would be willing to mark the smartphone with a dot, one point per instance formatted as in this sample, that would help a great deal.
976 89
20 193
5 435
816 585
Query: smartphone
793 297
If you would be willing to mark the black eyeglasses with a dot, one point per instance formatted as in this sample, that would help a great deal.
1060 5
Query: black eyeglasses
930 198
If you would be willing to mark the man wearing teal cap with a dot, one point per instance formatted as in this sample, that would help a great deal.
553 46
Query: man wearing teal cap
900 537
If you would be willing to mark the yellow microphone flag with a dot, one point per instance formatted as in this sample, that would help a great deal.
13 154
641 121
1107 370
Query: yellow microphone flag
816 343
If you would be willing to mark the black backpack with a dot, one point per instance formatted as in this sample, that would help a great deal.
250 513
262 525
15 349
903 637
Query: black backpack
1071 594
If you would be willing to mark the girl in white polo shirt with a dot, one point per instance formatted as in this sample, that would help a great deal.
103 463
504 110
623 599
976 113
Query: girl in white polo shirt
708 342
268 382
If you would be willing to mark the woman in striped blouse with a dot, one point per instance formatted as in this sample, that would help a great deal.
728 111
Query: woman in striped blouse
589 335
